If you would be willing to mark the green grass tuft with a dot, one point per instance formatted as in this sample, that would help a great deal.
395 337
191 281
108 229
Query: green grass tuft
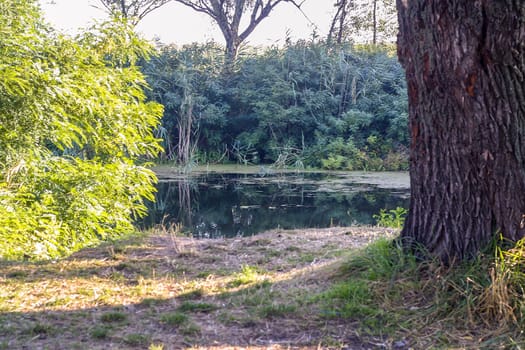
41 328
189 306
190 329
100 332
276 310
174 318
247 275
113 316
137 339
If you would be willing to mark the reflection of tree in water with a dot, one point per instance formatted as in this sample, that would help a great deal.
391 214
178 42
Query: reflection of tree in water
345 209
212 206
174 201
185 213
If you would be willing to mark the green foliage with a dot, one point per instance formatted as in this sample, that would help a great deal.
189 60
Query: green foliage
73 121
305 105
368 285
275 310
352 299
174 318
137 339
100 332
394 218
503 299
247 275
387 287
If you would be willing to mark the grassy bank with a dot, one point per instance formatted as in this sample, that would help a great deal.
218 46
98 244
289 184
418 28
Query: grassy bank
310 289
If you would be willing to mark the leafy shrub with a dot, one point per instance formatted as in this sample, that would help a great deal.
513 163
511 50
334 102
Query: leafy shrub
396 160
74 121
394 218
306 105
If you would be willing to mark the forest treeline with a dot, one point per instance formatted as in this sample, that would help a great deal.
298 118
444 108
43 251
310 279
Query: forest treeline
79 115
307 104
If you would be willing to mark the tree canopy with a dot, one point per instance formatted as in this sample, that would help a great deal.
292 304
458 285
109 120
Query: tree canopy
73 122
308 104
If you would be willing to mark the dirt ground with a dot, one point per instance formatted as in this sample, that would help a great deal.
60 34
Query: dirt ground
170 292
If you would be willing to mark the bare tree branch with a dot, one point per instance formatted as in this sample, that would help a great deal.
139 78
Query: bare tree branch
228 15
371 20
133 10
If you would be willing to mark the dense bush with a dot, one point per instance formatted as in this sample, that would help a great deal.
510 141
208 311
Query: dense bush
307 103
73 120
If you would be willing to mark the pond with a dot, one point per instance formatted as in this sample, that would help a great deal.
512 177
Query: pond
212 205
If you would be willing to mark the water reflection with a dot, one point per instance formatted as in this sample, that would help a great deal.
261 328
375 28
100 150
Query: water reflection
217 205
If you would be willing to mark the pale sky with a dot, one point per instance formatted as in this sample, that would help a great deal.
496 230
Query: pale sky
175 23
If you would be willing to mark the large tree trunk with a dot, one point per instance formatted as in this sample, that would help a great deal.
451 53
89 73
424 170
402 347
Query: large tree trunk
232 50
465 68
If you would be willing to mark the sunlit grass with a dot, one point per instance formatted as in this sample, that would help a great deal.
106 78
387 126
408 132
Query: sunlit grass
384 289
382 292
133 292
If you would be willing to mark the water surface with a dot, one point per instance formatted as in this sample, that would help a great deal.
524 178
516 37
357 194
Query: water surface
226 205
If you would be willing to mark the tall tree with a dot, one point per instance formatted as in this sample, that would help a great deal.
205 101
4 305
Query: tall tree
228 14
338 26
133 10
465 67
362 20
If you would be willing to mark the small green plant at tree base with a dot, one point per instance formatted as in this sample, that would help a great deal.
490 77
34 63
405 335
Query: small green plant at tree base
394 218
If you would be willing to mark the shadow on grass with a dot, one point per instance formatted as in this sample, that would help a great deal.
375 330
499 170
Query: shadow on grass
251 293
257 315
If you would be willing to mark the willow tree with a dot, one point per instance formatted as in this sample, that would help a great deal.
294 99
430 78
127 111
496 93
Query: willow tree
237 19
465 68
73 122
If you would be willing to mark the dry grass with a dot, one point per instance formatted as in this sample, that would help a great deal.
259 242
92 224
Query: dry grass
249 293
304 289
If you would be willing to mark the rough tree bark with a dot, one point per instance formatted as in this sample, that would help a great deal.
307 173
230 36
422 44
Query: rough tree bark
186 130
465 68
